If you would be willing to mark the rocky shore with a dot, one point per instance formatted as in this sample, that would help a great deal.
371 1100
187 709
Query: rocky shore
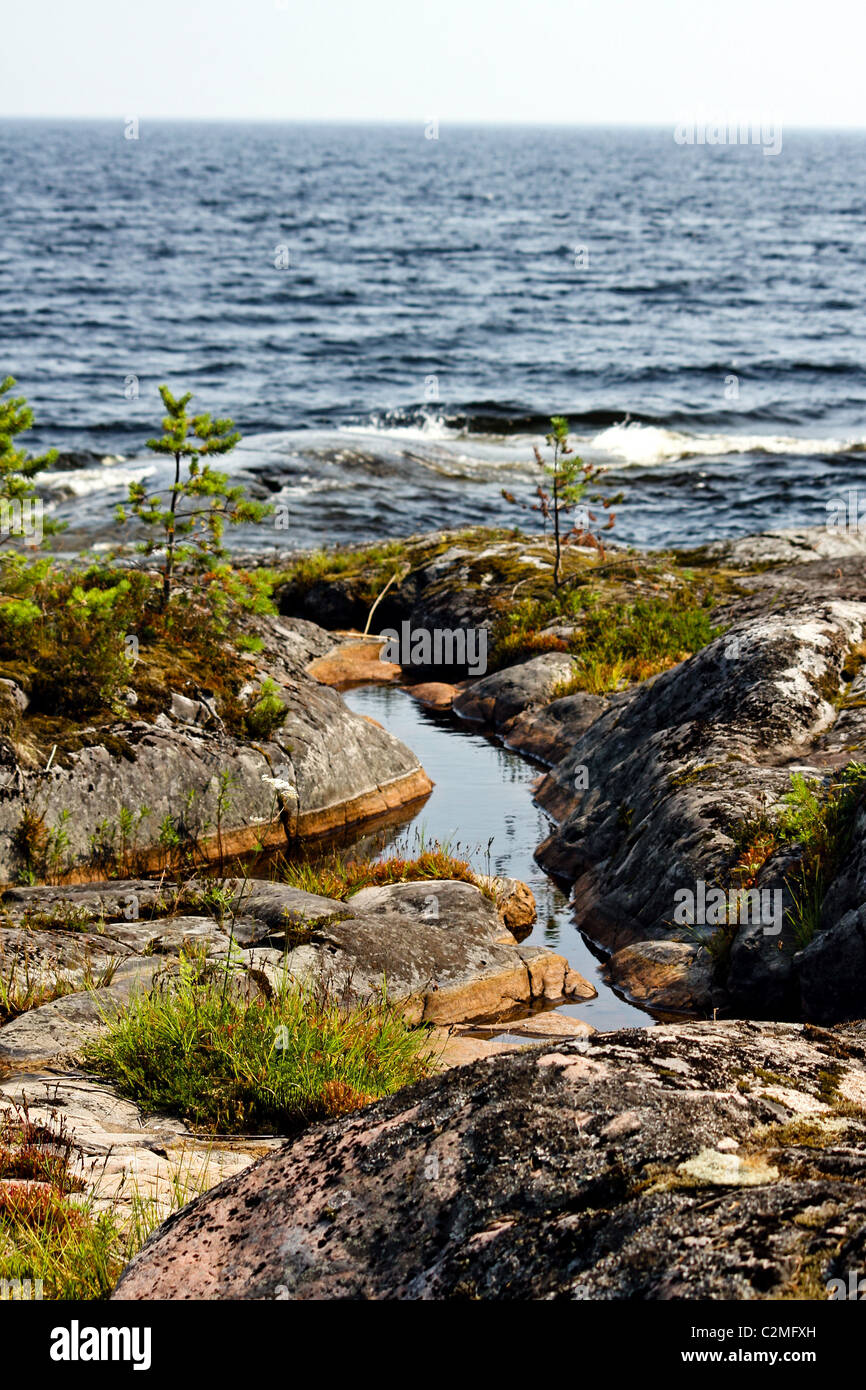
651 784
695 1161
715 1157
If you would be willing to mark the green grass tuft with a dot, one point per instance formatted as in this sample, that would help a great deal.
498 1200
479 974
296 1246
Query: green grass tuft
231 1064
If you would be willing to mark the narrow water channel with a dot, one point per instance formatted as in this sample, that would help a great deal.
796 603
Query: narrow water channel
484 791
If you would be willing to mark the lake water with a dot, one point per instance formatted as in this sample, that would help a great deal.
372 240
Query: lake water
483 790
391 319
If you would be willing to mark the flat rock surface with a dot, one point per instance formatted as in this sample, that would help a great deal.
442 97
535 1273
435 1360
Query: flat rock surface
668 1163
54 1034
443 949
125 1156
353 661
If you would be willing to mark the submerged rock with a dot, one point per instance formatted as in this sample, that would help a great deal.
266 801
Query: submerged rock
689 1161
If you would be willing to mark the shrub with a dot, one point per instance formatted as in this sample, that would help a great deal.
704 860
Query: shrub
569 478
17 467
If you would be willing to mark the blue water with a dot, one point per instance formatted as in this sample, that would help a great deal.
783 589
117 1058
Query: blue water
390 319
482 805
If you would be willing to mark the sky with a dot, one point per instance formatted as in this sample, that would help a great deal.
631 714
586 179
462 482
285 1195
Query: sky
633 62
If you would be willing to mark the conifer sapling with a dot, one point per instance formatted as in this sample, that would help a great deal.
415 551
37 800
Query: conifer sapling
17 467
193 511
569 479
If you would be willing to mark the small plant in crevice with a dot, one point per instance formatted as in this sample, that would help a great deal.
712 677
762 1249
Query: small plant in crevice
267 712
42 851
21 990
818 820
24 987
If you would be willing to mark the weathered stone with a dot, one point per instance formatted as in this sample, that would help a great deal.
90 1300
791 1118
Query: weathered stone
11 691
54 1034
434 694
548 734
188 711
323 769
505 694
288 644
170 936
458 1049
670 976
42 958
353 661
442 949
789 546
642 1164
441 946
650 793
549 1023
515 903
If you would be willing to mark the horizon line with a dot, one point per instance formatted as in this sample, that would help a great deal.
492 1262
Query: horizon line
404 122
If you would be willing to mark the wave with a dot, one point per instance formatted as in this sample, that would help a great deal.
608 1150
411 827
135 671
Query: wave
83 482
647 444
623 440
482 418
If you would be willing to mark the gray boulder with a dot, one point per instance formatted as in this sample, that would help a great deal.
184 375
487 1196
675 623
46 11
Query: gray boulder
499 697
673 767
690 1161
324 768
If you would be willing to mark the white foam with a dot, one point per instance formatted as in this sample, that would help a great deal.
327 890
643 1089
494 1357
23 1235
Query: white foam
432 428
82 482
646 444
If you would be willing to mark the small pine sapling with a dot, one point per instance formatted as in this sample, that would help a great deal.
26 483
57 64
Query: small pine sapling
569 479
193 514
17 468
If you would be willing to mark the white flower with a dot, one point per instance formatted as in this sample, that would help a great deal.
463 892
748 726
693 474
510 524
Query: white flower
281 785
